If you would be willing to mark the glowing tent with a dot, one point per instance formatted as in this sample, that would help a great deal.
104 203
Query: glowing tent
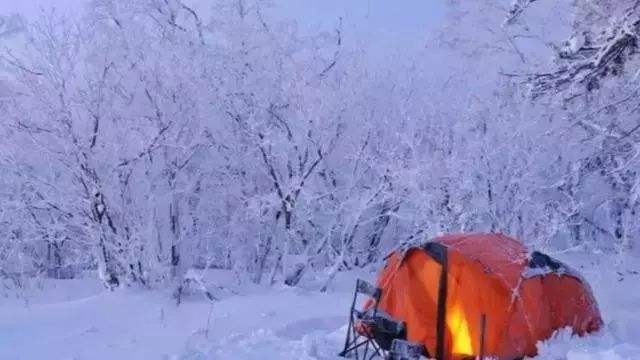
472 295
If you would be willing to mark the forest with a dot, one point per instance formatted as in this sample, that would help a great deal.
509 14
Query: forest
209 179
145 140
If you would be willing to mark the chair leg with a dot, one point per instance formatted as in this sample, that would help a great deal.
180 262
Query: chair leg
366 349
350 328
377 349
355 346
347 339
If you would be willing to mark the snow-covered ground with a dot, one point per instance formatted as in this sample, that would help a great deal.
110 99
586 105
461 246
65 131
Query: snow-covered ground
76 319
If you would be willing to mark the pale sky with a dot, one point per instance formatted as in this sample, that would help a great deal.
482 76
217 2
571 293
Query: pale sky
399 17
379 23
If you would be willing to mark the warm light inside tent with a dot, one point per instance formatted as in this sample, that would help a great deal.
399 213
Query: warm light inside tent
459 329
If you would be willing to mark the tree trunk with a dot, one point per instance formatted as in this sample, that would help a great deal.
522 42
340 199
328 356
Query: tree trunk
108 264
174 219
379 226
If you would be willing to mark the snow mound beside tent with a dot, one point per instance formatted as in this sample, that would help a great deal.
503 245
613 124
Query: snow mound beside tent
603 346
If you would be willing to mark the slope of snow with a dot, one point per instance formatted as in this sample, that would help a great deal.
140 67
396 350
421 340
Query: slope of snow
75 319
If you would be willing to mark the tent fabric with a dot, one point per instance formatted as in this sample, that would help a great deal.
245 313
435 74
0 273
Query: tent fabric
485 277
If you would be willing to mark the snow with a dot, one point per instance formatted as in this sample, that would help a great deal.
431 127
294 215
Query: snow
73 319
76 319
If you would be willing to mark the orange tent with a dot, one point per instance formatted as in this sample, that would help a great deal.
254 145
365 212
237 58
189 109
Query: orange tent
467 295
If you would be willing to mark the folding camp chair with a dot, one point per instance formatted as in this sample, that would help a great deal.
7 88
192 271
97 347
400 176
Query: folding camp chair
370 332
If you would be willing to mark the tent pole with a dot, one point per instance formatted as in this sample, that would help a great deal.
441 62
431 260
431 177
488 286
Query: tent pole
442 307
483 326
